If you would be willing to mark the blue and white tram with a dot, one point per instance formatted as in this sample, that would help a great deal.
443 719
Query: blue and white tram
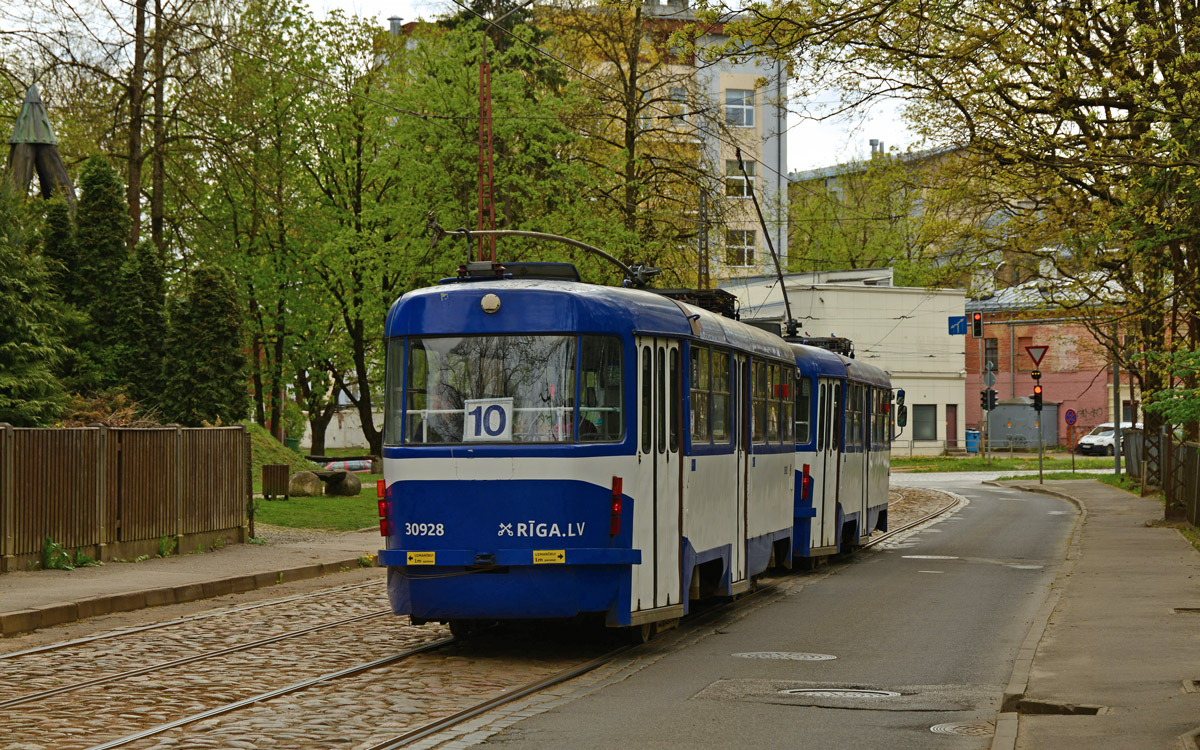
554 449
843 436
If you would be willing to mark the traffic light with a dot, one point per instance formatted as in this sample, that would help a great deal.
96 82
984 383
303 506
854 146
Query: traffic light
977 325
1037 397
983 399
991 399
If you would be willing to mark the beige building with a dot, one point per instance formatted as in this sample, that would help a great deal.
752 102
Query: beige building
913 334
748 101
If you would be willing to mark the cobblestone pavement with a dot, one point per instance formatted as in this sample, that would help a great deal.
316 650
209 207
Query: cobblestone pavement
111 656
351 712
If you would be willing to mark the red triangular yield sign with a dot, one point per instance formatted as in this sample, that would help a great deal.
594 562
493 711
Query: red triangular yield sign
1036 353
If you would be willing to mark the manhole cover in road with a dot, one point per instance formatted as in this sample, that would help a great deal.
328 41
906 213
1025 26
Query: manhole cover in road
929 557
785 655
841 693
978 729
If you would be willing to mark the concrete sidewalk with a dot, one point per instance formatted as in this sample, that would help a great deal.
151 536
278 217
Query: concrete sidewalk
1113 661
42 598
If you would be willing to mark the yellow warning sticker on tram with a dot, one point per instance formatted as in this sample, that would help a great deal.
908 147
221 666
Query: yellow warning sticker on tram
421 558
549 556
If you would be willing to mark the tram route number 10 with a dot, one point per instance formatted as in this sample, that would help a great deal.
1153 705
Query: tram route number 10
487 419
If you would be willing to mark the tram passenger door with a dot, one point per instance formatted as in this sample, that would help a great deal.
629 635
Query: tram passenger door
658 503
830 455
740 389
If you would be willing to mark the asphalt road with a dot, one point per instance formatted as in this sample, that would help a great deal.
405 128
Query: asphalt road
936 618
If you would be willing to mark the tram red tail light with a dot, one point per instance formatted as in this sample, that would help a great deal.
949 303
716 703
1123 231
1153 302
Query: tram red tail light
806 485
614 521
380 488
385 511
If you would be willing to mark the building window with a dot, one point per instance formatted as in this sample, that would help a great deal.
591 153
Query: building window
737 185
991 354
739 247
678 106
925 422
739 107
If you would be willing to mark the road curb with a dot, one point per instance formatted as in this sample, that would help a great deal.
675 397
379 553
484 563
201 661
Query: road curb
28 620
1008 721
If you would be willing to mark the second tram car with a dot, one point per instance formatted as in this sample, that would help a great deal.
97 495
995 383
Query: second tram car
555 449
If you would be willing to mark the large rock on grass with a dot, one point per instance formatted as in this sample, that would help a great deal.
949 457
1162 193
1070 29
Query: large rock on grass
305 484
343 484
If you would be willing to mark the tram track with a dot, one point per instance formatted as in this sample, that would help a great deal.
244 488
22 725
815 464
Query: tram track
261 697
183 620
42 695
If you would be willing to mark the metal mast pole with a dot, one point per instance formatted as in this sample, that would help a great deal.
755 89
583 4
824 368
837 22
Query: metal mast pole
1117 404
487 206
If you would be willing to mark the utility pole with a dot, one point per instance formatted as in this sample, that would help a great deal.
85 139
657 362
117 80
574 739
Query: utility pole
486 182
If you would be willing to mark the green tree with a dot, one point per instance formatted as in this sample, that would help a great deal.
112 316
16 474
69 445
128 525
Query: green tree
101 234
141 325
31 340
206 381
76 369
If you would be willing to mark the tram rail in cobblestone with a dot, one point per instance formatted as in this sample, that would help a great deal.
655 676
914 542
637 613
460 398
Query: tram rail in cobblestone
495 702
184 620
295 687
31 697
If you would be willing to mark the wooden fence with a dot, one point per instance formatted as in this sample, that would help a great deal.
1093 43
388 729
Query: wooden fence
118 492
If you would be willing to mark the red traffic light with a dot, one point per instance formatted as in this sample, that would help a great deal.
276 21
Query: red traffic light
1037 390
977 325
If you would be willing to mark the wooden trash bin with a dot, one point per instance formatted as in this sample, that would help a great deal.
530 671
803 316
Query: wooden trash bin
275 478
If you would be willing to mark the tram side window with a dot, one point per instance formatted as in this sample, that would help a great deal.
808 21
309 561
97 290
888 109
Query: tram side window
880 418
803 409
393 424
775 404
602 411
700 394
856 406
647 398
835 421
854 415
759 379
673 428
822 420
720 395
789 383
418 393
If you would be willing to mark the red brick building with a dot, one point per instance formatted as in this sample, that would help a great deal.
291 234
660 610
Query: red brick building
1076 369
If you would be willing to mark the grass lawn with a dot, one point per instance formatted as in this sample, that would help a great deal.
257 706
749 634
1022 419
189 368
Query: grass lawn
334 513
978 463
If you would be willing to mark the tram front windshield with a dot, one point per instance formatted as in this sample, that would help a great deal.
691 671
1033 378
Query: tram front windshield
509 389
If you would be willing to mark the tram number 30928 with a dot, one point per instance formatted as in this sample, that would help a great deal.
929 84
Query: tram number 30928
424 529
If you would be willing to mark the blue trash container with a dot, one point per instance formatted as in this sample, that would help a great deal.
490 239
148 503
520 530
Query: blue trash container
972 441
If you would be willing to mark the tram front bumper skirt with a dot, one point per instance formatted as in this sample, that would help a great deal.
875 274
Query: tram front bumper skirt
509 557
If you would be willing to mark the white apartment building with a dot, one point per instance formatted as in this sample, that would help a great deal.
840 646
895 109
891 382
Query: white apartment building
748 100
914 334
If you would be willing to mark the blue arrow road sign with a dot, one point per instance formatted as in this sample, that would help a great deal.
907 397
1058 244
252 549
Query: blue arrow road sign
958 325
